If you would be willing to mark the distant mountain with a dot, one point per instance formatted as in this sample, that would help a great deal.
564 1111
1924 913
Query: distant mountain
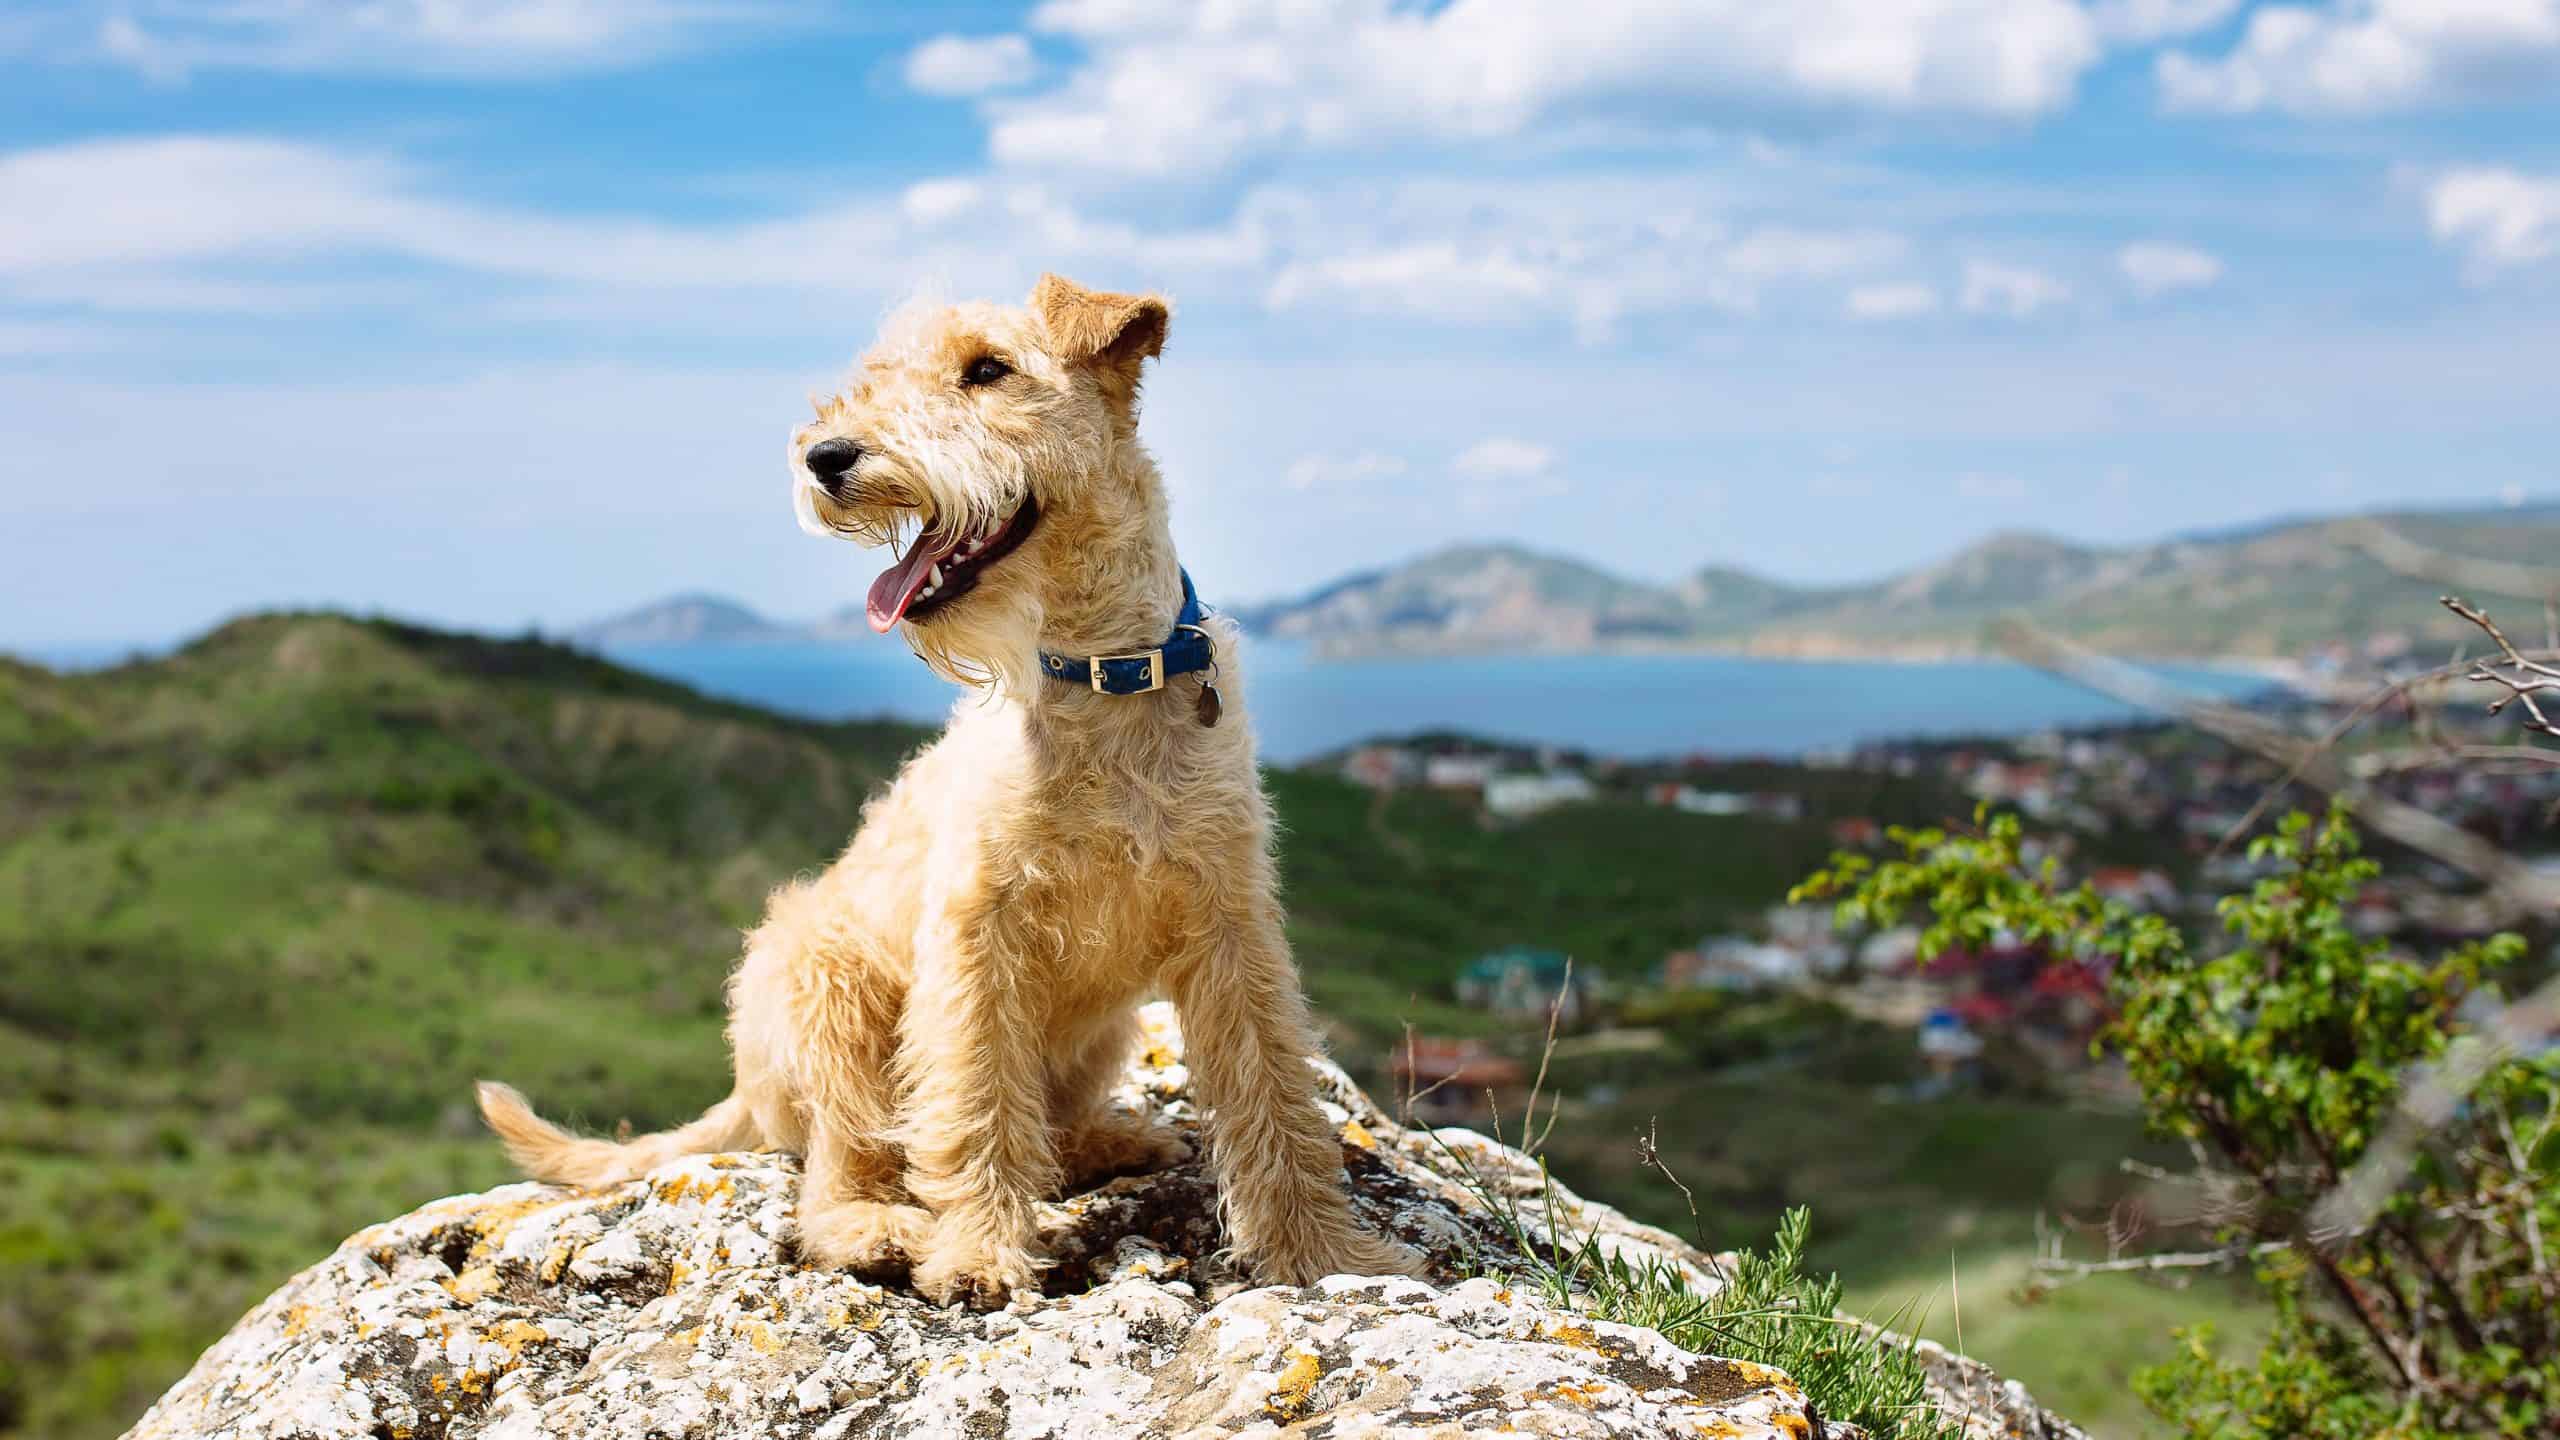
2280 589
1480 596
686 620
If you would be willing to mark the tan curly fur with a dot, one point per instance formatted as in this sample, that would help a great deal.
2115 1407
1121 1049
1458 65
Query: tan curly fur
934 1021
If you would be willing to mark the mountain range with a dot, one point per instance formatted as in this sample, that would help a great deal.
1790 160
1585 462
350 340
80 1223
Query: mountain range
2279 589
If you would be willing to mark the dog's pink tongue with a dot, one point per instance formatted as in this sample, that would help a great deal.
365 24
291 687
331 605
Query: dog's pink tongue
898 586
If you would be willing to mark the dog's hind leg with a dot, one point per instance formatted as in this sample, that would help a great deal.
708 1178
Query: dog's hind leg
1094 1137
852 1214
1246 1038
547 1152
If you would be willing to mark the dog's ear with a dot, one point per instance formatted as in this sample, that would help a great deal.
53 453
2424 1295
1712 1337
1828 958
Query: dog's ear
1116 332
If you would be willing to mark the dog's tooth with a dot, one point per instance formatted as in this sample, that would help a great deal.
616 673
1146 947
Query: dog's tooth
934 580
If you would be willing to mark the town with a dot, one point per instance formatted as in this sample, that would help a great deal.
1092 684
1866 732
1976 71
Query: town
2152 816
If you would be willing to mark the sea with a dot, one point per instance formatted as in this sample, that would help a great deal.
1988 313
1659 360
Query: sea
1626 705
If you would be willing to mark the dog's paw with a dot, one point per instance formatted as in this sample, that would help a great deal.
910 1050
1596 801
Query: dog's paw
982 1278
1359 1253
1119 1145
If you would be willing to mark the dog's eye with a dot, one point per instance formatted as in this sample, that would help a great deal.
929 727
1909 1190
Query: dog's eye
985 370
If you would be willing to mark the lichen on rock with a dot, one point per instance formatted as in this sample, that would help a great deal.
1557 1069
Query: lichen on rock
677 1305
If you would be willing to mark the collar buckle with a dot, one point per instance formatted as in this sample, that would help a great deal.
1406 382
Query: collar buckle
1101 680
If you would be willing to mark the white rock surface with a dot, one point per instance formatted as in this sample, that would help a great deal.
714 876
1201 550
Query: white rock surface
676 1306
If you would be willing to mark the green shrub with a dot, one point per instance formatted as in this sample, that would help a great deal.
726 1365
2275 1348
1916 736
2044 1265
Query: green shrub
2281 1057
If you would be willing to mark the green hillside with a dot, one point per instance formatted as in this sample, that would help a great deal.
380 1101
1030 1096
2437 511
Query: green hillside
267 907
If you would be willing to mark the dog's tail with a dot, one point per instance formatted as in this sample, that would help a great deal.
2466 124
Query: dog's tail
547 1152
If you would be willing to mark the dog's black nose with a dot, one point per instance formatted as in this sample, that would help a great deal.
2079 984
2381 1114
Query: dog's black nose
829 460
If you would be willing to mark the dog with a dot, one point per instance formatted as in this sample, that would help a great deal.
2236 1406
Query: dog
934 1021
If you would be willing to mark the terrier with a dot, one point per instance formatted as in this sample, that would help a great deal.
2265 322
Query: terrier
934 1022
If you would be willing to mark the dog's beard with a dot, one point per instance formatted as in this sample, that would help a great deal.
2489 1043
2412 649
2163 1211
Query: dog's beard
989 640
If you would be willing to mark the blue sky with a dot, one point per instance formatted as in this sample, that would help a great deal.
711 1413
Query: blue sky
496 313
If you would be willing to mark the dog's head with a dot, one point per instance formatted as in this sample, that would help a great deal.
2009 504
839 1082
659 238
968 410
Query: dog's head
967 435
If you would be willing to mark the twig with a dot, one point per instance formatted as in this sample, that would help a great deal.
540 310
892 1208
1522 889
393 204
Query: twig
1555 1009
2405 556
2165 1260
2522 678
2517 886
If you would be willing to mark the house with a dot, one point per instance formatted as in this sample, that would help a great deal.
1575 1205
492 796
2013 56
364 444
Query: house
1858 832
1733 963
2150 890
1527 984
1382 767
1459 772
1449 1082
1763 804
1512 796
1949 1047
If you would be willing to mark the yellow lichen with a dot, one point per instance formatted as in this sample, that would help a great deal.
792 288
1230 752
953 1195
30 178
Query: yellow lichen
474 1284
296 1320
1358 1134
1572 1393
491 1223
1580 1337
1293 1393
514 1335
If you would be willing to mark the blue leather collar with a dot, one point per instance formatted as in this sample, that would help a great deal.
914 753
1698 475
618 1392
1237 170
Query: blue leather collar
1139 672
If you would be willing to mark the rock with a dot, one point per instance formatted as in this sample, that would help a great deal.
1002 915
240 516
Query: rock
676 1306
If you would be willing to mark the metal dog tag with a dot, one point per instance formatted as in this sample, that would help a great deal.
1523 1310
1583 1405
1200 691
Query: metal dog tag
1209 707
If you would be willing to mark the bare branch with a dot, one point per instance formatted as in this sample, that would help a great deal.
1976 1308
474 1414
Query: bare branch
2400 554
2520 675
2221 1259
2517 886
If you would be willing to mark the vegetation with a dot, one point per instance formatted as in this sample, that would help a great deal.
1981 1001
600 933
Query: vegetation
268 906
1768 1311
2413 1297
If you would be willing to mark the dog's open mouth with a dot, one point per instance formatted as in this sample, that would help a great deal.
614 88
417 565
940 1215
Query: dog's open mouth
939 569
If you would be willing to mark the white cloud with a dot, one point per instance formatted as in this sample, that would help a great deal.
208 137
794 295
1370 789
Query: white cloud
1501 471
217 222
2351 56
1596 254
1990 485
2017 291
199 223
2153 268
2498 217
1896 301
165 39
1502 457
963 65
1330 472
1177 88
2141 22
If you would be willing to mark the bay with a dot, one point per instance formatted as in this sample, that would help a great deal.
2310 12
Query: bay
1612 704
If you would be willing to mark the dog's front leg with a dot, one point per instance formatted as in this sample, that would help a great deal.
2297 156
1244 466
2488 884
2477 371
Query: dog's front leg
1246 1038
977 1130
